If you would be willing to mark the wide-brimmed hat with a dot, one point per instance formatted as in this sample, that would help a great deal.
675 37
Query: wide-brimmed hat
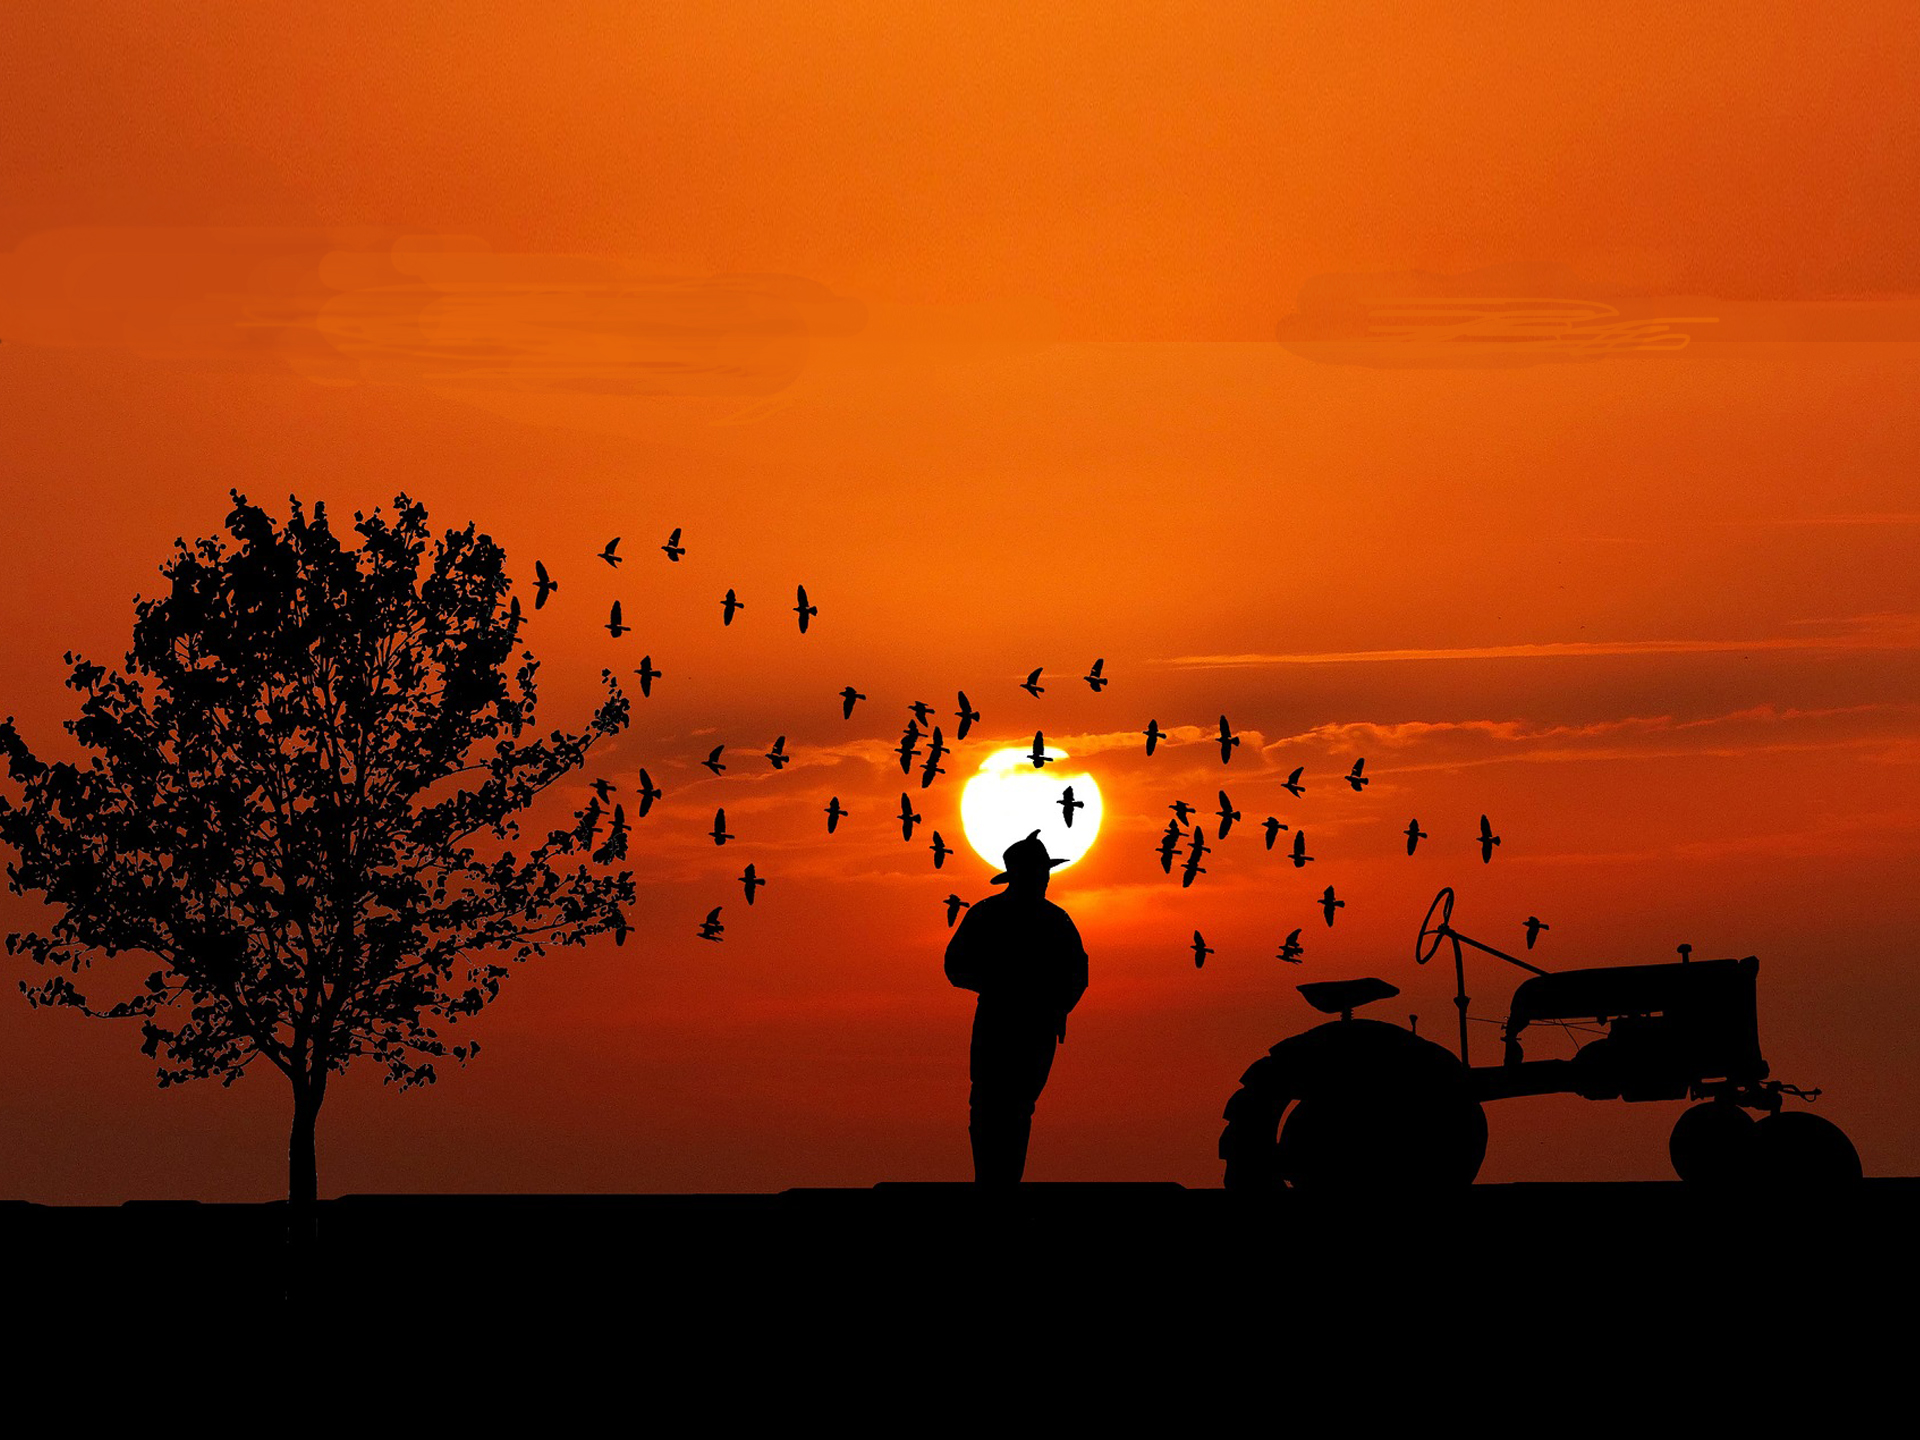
1023 855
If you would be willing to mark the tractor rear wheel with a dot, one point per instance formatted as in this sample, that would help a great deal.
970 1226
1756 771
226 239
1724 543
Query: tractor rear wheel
1367 1107
1380 1145
1797 1149
1712 1144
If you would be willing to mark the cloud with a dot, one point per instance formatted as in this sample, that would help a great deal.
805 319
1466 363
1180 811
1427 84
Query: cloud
1861 632
1885 517
1830 838
1501 316
1540 313
1758 730
445 312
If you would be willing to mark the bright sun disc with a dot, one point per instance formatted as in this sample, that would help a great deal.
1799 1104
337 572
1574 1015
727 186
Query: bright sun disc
1008 799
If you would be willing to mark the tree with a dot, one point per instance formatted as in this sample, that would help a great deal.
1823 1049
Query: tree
302 805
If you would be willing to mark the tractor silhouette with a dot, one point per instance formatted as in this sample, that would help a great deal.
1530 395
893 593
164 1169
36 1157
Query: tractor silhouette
1357 1105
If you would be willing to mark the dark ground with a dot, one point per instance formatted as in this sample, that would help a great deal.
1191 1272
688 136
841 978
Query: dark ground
1100 1254
931 1308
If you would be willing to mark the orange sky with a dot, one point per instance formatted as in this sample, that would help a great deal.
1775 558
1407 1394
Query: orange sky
1187 340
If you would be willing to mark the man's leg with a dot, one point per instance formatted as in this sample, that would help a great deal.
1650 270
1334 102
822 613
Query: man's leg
1010 1059
1036 1062
998 1106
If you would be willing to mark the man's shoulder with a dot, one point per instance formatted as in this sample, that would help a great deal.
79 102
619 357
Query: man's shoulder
986 905
1024 911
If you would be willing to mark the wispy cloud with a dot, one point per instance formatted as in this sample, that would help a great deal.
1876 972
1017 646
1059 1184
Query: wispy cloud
441 311
1500 316
1759 730
1540 313
1863 632
1883 517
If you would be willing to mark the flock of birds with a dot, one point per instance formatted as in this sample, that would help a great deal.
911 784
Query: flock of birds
909 751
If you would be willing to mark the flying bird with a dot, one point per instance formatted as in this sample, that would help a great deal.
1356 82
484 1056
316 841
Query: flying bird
1534 926
648 794
1182 812
1273 828
1487 841
1032 683
1291 948
1227 814
940 850
675 550
542 586
834 812
847 698
778 754
1329 904
609 554
1200 950
1039 754
1095 680
1154 734
712 762
1355 778
1169 842
908 747
620 928
932 767
907 818
1293 785
752 882
615 838
805 611
514 619
647 674
1414 835
954 906
1068 804
604 789
1193 866
1227 741
922 712
616 845
719 831
1300 856
710 927
589 825
614 627
728 604
967 715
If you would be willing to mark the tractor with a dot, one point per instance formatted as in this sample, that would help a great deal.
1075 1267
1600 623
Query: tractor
1357 1105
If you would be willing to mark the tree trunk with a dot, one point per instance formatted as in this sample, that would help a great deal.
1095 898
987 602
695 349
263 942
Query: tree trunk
303 1193
303 1170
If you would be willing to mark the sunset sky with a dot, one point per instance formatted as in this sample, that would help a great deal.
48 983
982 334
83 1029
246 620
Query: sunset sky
1520 397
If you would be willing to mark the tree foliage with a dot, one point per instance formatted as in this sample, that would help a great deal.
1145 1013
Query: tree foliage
295 829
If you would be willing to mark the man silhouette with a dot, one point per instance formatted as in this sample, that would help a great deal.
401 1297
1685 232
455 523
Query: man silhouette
1022 954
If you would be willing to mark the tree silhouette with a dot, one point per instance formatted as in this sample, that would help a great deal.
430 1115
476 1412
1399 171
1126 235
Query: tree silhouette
302 804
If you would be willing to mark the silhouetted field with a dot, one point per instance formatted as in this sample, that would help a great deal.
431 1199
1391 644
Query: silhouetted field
1619 1260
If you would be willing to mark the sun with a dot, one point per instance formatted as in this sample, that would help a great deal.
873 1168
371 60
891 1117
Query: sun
1008 799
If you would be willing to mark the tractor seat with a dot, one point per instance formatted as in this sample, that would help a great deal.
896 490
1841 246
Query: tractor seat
1342 997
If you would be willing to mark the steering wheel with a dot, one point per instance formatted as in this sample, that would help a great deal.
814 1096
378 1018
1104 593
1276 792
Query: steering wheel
1433 932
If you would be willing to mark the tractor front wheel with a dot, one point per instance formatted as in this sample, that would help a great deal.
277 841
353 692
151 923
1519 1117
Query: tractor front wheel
1712 1144
1797 1149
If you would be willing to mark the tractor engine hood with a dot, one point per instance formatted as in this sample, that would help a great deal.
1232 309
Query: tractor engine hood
1602 993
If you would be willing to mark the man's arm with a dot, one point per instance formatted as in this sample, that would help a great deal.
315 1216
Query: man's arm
963 955
1073 975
